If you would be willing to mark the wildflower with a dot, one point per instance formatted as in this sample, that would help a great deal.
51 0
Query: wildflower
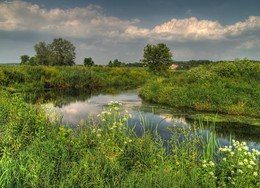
224 159
98 135
233 183
240 163
240 171
211 173
211 163
255 174
246 148
252 162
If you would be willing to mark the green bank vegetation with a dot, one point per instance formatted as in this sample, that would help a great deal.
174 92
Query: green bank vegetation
37 152
226 87
30 78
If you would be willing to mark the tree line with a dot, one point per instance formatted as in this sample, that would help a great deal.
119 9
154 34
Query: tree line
61 52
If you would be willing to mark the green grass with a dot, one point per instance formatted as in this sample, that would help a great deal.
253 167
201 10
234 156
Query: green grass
31 78
227 87
37 152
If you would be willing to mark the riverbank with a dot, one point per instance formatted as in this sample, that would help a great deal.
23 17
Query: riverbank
227 87
35 152
38 78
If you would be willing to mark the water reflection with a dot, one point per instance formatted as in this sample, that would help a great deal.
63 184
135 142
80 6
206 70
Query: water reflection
79 105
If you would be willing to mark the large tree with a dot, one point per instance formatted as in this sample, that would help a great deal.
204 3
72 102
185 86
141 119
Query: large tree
59 52
43 53
157 57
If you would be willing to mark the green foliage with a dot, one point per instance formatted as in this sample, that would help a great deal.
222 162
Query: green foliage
88 62
227 87
25 59
59 52
157 57
24 78
116 63
105 152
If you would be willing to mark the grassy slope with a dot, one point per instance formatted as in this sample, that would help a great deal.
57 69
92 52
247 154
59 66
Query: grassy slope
228 87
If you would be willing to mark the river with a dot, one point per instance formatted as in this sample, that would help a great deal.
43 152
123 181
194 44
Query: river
75 107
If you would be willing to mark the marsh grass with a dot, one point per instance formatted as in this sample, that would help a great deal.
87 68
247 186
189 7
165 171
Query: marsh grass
106 152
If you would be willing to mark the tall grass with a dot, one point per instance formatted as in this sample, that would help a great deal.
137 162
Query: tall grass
106 152
31 78
227 87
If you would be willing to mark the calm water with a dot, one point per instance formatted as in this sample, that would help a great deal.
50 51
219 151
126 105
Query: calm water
77 106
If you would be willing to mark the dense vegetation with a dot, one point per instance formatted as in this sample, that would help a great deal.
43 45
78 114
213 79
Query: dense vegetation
26 78
227 87
58 53
157 58
35 152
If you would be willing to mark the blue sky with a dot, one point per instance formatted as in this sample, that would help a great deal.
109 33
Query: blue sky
110 29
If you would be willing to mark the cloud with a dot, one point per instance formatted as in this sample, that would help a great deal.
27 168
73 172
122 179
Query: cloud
106 37
74 22
91 21
192 29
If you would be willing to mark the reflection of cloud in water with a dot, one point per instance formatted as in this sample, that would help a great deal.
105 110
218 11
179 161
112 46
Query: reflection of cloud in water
170 118
75 112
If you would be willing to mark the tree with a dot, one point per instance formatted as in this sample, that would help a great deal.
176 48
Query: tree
88 62
62 52
25 59
116 63
157 57
43 53
59 52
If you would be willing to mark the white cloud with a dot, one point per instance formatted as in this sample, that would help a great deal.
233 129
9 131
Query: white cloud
95 32
194 29
76 22
91 22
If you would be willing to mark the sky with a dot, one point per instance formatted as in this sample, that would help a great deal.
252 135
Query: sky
120 29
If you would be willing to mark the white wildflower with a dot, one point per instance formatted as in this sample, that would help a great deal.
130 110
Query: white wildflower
211 163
